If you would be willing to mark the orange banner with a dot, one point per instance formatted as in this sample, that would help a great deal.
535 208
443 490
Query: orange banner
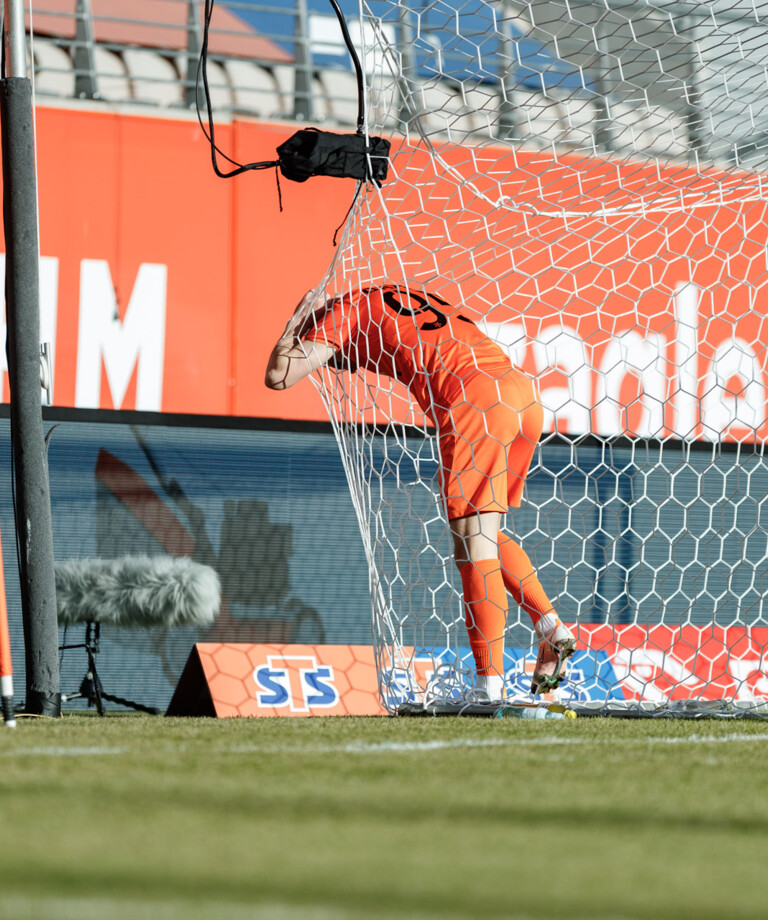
163 287
625 663
278 680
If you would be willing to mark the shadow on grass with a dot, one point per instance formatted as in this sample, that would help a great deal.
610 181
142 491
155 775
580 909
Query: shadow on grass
376 898
242 803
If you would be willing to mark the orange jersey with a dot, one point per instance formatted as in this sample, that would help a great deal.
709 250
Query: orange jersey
415 337
487 417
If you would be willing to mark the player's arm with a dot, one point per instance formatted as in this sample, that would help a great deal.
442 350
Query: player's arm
342 362
294 358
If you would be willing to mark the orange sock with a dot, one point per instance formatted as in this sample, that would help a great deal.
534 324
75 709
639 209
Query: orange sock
521 580
485 606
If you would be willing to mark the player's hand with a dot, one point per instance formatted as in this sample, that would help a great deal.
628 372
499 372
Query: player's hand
306 315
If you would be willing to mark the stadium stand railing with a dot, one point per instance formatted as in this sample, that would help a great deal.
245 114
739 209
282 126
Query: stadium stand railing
263 56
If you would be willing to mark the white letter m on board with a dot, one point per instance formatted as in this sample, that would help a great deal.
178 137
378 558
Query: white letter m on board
136 342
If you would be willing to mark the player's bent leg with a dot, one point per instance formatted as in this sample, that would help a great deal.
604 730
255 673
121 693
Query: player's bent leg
521 580
556 641
475 536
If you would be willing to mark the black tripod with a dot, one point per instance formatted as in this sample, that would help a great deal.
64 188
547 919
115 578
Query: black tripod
91 688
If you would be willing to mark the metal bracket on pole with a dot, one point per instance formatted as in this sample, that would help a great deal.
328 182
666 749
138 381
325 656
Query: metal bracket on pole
84 56
14 39
303 104
507 58
193 94
46 377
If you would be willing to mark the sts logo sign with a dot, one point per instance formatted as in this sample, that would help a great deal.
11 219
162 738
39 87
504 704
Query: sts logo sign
297 683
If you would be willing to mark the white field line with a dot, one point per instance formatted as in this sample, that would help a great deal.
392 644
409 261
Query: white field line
61 750
68 908
130 908
383 747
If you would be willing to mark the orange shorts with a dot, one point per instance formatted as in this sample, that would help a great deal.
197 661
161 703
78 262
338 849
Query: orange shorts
487 441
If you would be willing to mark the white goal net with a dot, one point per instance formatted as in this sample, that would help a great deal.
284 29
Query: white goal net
587 182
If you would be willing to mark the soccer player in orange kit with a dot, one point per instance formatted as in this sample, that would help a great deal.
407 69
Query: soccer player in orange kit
488 423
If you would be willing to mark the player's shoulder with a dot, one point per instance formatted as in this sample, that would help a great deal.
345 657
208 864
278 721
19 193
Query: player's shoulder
396 299
391 290
376 290
372 297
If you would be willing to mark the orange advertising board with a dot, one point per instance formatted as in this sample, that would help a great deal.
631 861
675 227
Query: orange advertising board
629 663
635 293
227 680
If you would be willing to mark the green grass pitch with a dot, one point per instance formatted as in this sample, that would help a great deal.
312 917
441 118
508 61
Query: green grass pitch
596 819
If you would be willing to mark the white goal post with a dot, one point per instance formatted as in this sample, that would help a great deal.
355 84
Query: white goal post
588 182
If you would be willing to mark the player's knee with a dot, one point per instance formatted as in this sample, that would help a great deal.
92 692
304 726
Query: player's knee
461 549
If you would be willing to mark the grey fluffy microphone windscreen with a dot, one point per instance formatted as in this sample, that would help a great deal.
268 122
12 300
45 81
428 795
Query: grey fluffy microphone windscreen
137 591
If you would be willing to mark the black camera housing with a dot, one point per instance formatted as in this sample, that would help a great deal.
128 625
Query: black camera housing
311 152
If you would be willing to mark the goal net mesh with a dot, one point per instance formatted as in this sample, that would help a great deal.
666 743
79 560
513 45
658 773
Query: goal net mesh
586 181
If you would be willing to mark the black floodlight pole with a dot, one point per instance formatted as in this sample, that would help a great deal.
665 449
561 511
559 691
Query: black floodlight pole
33 503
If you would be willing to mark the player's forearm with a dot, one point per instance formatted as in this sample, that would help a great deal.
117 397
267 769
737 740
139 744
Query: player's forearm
293 360
278 374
